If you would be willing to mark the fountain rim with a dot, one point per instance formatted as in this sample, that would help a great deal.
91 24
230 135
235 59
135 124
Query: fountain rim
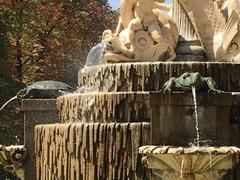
201 150
144 93
161 62
163 99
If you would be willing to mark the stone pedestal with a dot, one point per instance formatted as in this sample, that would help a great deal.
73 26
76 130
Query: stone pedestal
35 112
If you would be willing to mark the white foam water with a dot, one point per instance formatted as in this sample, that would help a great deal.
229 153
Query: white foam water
196 115
10 100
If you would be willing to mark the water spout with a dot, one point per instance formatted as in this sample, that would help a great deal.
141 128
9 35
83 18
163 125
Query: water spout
10 100
95 56
196 115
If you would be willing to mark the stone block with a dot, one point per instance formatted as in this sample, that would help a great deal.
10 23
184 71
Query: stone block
36 111
173 118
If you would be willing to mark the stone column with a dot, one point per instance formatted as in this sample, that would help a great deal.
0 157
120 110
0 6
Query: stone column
36 111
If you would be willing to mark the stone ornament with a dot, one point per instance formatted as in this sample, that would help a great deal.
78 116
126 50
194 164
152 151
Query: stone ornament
175 163
143 33
214 23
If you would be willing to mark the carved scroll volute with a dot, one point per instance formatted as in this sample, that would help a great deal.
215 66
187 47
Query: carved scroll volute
232 5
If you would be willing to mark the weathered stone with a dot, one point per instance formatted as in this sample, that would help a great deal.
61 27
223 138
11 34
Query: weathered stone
206 21
35 112
173 118
189 163
12 159
148 76
90 150
104 107
144 33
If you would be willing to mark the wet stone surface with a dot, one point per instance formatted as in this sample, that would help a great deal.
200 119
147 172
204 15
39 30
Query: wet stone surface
96 150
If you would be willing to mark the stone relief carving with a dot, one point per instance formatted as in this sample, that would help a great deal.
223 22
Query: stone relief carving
176 163
143 33
217 29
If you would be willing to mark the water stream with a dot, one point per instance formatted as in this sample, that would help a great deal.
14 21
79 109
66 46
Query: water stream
10 100
95 55
210 163
17 141
182 166
196 115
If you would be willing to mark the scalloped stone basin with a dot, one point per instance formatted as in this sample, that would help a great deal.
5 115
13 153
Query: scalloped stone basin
12 159
195 163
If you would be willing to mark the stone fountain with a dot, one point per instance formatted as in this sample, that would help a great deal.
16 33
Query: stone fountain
121 126
121 108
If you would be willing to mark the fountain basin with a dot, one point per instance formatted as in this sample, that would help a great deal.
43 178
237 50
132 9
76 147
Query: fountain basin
151 76
199 163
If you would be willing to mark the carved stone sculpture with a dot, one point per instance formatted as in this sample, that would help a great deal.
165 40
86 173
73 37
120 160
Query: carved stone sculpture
217 29
12 159
143 33
45 89
198 163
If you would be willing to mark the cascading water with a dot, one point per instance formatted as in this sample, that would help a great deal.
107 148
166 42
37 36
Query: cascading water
10 100
94 58
95 55
196 115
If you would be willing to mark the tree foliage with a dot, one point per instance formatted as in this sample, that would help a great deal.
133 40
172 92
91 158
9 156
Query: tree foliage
49 37
42 40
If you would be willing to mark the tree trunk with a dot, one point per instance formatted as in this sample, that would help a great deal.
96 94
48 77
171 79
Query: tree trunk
18 61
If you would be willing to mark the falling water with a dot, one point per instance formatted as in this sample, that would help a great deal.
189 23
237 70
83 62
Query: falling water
15 97
95 56
210 159
196 114
181 171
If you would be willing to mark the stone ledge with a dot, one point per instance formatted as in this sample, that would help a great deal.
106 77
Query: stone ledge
186 99
104 107
225 150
